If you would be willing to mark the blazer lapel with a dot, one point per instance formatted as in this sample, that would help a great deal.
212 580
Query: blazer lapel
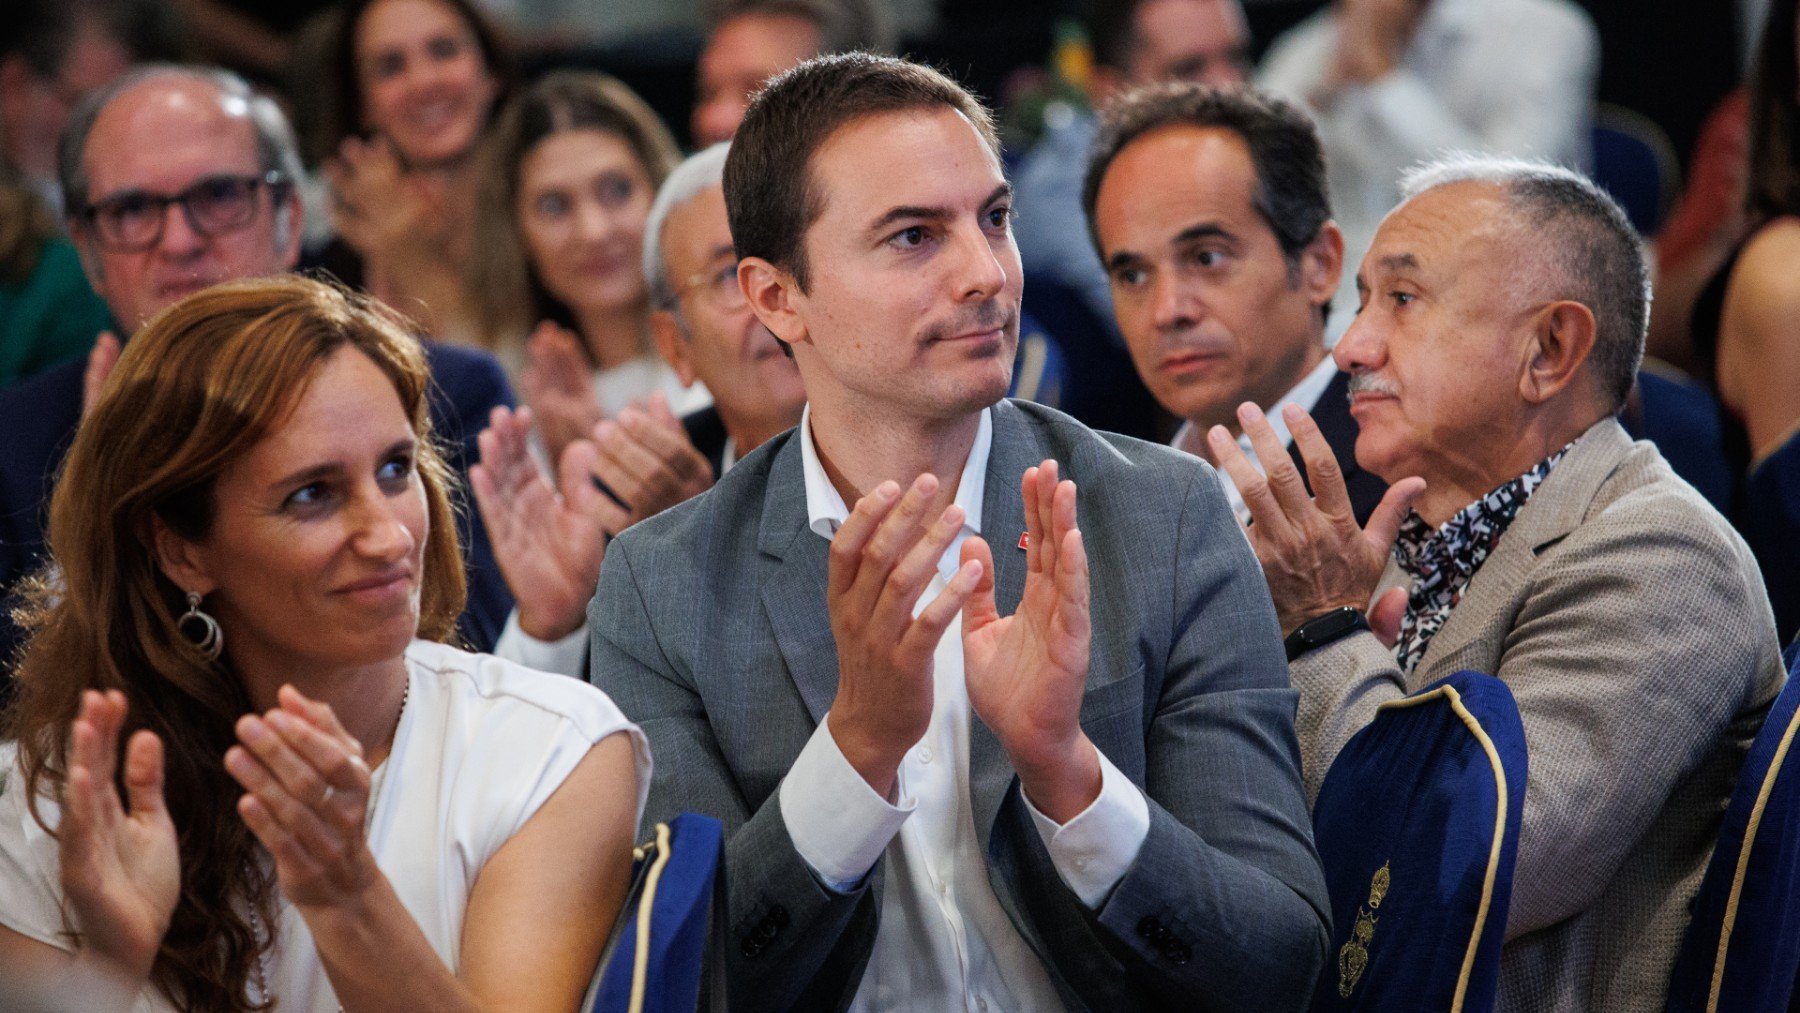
1556 508
794 597
1002 522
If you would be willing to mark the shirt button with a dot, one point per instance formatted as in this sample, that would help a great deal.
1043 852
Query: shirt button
981 1004
1082 864
925 754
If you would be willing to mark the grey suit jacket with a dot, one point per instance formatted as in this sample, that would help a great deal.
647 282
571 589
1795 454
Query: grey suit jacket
1630 622
710 630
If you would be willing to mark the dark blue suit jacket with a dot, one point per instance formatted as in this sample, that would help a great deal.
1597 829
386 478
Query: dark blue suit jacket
1338 426
38 417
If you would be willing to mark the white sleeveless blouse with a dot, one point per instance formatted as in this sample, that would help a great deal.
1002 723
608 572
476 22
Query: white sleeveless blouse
481 745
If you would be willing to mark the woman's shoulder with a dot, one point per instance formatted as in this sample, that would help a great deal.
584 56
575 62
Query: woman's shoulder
500 690
1765 268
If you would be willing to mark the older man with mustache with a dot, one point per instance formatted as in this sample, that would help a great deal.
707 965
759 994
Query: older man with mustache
1502 323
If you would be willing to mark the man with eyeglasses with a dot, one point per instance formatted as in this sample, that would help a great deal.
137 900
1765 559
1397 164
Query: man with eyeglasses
707 332
176 179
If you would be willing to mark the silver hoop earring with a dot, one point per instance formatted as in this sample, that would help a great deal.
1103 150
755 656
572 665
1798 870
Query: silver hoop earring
200 629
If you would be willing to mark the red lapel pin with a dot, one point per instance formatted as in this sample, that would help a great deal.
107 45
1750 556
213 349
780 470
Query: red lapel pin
1024 539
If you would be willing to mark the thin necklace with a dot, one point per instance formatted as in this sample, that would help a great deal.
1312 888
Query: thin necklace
260 969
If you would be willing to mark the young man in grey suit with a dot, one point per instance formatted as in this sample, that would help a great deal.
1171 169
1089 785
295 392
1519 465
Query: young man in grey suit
1502 323
1087 795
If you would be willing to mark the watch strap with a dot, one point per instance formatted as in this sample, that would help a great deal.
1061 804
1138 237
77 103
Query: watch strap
1321 630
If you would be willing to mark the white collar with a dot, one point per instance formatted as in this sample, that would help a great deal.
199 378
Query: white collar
825 509
1306 394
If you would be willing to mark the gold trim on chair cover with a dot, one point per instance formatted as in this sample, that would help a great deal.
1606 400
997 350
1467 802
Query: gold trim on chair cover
1493 866
640 960
1743 860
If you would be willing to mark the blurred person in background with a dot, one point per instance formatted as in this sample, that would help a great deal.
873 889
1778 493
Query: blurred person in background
557 286
1135 43
1745 329
1394 82
52 52
244 768
550 538
412 86
47 311
176 179
750 41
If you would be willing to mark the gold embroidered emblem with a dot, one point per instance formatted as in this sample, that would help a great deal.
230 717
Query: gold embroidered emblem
1353 958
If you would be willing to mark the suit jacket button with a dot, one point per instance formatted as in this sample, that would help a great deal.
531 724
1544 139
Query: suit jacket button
779 916
1178 952
1149 927
766 931
751 948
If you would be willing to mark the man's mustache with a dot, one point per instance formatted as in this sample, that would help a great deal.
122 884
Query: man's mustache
1372 383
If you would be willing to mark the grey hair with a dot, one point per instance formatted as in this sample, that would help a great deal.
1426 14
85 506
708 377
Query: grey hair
695 175
276 150
1595 249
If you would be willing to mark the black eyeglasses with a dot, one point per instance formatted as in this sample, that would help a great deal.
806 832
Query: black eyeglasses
132 221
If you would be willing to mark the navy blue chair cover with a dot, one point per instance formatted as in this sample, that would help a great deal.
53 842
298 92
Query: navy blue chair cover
677 901
1742 950
1682 419
1634 161
1770 521
1417 824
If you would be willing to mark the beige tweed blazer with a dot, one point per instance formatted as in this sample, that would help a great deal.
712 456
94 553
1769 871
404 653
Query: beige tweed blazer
1631 624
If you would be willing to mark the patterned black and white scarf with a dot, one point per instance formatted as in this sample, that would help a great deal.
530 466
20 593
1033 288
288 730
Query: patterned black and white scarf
1442 562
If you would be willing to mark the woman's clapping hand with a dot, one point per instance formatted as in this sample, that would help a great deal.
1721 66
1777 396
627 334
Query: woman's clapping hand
120 869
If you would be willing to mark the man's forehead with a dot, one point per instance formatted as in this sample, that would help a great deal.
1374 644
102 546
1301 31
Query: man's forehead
1167 178
1458 227
169 127
942 149
697 227
1168 28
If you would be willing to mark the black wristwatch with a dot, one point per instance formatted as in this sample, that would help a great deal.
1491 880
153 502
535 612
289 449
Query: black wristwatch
1317 632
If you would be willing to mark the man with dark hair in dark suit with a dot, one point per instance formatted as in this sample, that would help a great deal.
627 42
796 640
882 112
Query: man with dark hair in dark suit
1208 208
175 179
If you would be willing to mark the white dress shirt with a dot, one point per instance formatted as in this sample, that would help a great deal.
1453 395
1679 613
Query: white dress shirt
944 941
1306 394
1498 77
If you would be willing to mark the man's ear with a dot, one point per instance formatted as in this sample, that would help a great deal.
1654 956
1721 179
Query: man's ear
1322 264
180 560
672 344
772 293
1563 335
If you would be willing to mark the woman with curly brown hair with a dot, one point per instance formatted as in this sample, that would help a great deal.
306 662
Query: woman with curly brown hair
245 768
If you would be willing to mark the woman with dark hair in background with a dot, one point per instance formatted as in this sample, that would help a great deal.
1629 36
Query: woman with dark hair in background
243 768
413 86
1746 323
567 177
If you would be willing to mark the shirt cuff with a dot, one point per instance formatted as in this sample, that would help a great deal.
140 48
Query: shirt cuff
1093 851
836 821
567 656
